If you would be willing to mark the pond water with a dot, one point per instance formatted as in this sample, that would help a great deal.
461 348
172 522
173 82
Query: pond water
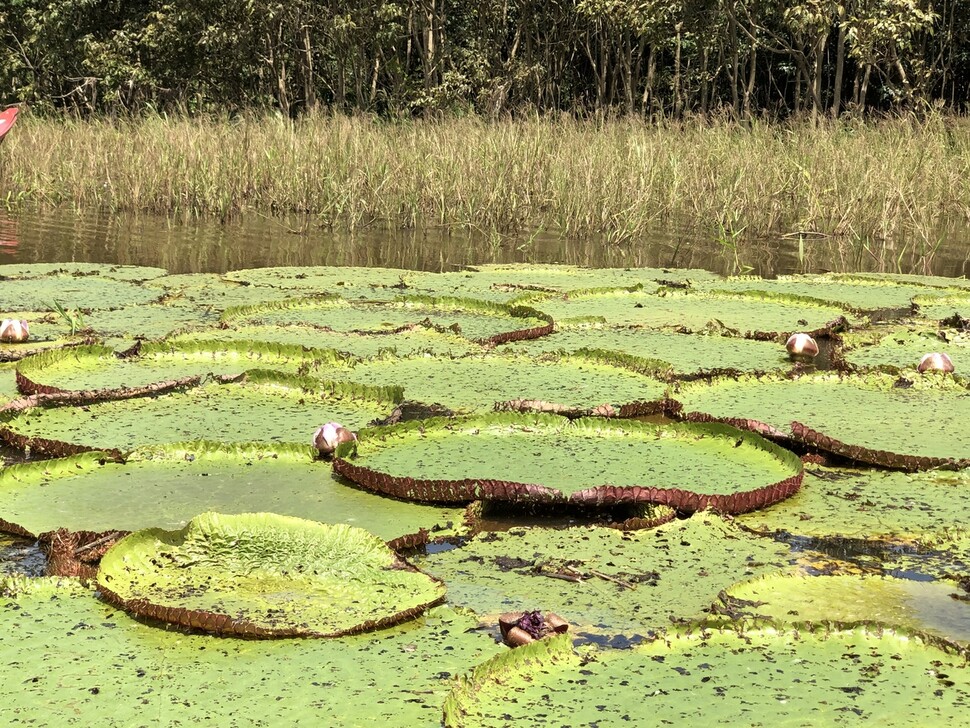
259 241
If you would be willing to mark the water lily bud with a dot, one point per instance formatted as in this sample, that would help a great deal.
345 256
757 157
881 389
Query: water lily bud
14 330
935 362
801 345
329 436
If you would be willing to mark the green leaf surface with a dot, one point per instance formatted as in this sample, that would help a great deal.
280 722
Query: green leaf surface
931 607
265 575
628 457
246 412
687 354
346 281
761 677
936 308
871 505
475 384
420 340
902 348
745 312
859 410
134 273
166 487
676 569
473 319
98 367
85 292
80 661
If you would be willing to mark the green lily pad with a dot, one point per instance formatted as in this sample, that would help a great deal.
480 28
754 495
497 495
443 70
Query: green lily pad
936 308
133 273
165 487
214 292
925 606
602 580
72 292
854 416
856 293
746 312
871 505
121 327
419 340
688 467
762 677
47 331
480 321
265 575
686 354
98 367
346 281
477 383
265 408
902 348
906 279
81 661
8 382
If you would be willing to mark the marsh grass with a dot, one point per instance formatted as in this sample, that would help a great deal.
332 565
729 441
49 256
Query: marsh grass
901 179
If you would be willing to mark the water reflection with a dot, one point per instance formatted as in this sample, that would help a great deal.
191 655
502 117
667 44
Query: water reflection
258 241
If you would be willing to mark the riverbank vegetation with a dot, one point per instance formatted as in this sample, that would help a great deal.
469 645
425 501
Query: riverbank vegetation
904 178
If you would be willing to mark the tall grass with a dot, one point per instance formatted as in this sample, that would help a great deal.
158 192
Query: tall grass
897 179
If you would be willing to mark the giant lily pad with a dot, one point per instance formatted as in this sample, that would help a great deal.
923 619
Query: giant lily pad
346 281
855 416
936 308
486 323
924 606
747 312
73 658
97 367
871 505
165 487
606 462
603 580
902 348
265 575
46 332
759 677
686 354
574 385
71 291
420 339
131 273
264 408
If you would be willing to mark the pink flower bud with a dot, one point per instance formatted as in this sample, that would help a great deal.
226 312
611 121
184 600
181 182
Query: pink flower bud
801 345
329 436
14 330
935 362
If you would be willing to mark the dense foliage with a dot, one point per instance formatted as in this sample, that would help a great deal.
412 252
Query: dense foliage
651 57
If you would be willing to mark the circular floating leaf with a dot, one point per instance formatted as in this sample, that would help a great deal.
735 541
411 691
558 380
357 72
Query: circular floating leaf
603 580
134 273
264 575
719 678
46 332
265 408
936 308
419 340
684 354
902 348
871 505
78 660
855 416
214 292
746 313
72 292
151 321
924 606
98 367
346 281
860 294
576 384
479 321
586 462
165 487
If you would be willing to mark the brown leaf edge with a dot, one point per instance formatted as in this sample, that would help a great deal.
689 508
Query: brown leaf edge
223 624
757 426
452 492
688 501
643 408
870 456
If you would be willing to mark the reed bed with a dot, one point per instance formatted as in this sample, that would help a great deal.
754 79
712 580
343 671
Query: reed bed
897 179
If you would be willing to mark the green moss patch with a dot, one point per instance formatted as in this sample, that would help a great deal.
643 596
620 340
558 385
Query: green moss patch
592 461
265 575
764 677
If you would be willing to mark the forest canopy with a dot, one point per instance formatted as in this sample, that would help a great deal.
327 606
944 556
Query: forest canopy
491 57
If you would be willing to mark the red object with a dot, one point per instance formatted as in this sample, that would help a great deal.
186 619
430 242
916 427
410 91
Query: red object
7 118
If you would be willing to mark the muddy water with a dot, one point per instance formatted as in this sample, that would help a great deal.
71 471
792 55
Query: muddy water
210 247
